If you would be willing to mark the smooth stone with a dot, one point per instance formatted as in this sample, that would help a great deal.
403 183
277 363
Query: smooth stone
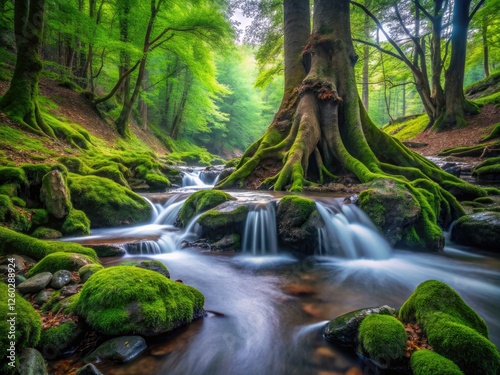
20 279
60 279
19 262
43 296
69 290
481 230
88 369
35 284
119 349
55 194
31 362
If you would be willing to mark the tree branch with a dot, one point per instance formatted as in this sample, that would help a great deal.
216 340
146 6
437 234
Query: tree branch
374 45
476 8
118 84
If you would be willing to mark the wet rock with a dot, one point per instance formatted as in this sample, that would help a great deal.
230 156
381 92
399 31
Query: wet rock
229 242
31 362
55 194
17 260
299 290
298 221
43 296
88 369
226 218
481 230
119 349
20 279
154 265
343 330
86 271
35 284
69 290
104 251
226 172
452 168
209 175
60 279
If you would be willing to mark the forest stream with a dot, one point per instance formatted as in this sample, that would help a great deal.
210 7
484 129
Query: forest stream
266 307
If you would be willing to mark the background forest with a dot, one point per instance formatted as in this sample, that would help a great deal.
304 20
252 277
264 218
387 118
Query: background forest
188 71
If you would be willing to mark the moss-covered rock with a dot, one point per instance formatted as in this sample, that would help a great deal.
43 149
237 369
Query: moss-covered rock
75 165
297 221
31 362
199 202
111 172
453 329
130 300
55 194
481 229
488 170
9 189
106 203
154 265
39 216
427 362
76 223
226 218
383 338
104 251
56 340
13 217
14 175
88 270
45 233
25 332
61 261
17 243
157 181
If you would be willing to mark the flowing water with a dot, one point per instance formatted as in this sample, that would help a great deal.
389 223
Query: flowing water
267 308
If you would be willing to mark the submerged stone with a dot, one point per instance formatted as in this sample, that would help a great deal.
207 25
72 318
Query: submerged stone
119 349
343 330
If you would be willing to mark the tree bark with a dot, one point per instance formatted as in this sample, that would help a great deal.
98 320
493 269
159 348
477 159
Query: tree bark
484 35
20 100
366 60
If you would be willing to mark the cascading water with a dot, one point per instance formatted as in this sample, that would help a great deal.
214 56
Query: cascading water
167 214
260 235
192 179
349 233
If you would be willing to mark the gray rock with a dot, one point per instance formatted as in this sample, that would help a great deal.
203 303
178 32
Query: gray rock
154 265
119 349
20 279
452 168
226 172
88 369
35 284
343 330
19 262
31 362
69 290
103 251
229 242
43 296
481 230
60 279
226 218
55 194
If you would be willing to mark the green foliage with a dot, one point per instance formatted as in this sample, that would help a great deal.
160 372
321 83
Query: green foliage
16 243
105 202
28 326
452 327
108 300
199 202
490 99
383 337
61 261
76 223
404 130
427 362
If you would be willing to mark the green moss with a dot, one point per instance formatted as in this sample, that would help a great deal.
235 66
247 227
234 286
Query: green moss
233 163
492 191
13 217
111 172
59 304
404 130
39 216
199 202
88 270
453 328
9 189
75 165
484 200
61 261
302 208
14 175
56 339
12 242
490 99
383 337
28 326
74 134
76 223
216 224
156 181
463 191
46 233
31 145
427 362
35 172
495 133
130 300
18 202
106 203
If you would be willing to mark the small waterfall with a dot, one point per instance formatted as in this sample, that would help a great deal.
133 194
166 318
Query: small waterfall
192 179
200 178
349 233
167 214
260 236
143 248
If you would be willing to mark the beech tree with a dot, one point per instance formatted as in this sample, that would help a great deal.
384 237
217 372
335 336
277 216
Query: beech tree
20 101
322 129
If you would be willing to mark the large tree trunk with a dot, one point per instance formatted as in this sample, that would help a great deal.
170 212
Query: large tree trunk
20 101
322 128
456 105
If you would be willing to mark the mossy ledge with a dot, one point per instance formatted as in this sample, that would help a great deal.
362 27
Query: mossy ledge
61 261
130 300
199 202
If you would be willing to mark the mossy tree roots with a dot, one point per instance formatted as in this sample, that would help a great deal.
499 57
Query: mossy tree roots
322 128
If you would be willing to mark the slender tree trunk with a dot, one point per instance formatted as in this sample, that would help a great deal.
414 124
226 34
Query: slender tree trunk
20 101
436 60
484 34
366 62
143 107
123 15
177 120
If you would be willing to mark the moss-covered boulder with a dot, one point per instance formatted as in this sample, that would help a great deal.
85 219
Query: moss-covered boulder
481 229
199 202
226 218
76 223
106 203
55 194
61 261
427 362
383 339
31 362
57 340
297 222
104 251
12 216
453 329
14 175
344 329
156 181
398 216
88 270
24 330
154 265
45 233
17 243
130 300
111 172
488 170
